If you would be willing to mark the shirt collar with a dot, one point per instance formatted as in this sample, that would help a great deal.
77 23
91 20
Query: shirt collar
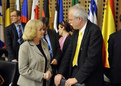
46 33
84 27
17 24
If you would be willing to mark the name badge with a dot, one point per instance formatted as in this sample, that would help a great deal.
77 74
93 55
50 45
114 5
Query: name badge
51 51
19 41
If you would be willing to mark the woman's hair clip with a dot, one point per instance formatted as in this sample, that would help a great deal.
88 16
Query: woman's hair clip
63 23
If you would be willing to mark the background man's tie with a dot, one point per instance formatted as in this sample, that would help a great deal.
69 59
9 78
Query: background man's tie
20 34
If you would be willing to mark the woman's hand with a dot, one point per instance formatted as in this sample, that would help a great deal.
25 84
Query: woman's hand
48 75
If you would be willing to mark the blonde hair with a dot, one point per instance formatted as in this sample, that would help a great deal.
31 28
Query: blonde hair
30 30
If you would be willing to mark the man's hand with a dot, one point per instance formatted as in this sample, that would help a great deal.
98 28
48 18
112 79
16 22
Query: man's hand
14 60
71 81
57 79
54 62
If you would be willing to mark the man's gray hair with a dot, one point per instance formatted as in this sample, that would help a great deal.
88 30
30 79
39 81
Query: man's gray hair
79 11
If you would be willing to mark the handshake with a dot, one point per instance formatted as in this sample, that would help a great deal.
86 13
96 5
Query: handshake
47 75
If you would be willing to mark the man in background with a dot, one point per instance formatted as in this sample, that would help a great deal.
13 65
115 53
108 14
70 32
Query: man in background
114 49
52 39
13 38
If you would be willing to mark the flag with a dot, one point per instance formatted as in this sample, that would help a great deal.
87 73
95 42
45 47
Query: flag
35 10
50 23
46 12
93 11
24 13
58 14
107 28
1 27
17 7
7 14
74 2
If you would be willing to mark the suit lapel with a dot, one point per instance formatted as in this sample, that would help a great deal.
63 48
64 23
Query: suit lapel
14 31
76 39
86 32
44 47
75 34
23 25
51 39
35 48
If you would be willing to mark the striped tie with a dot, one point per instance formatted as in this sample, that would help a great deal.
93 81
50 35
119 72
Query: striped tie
20 34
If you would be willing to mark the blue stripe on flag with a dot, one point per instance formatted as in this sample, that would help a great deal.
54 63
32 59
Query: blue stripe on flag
95 8
25 9
61 11
1 44
58 14
91 7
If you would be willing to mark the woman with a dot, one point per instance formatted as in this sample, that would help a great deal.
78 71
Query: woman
64 31
34 57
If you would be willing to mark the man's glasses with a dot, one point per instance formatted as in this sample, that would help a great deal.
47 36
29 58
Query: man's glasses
72 19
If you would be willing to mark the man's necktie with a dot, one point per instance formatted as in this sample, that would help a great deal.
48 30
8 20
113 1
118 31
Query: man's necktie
77 48
20 34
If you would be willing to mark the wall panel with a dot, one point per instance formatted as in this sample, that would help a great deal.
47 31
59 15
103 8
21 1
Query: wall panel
66 5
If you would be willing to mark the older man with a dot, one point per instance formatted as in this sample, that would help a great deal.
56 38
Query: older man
83 58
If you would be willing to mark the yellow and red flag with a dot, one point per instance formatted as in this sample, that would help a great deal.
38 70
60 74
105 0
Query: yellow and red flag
108 28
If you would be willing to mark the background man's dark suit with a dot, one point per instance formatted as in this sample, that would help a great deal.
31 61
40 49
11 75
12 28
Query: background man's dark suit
56 51
90 67
115 57
11 41
55 44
